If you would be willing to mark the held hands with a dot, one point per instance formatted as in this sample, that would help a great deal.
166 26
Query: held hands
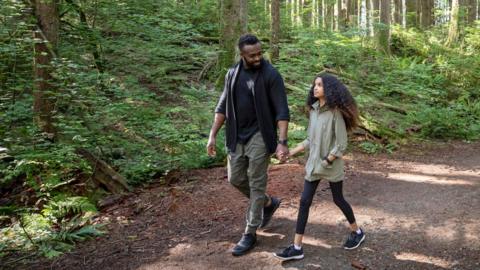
282 153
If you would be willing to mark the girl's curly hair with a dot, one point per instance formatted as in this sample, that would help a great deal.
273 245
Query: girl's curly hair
337 97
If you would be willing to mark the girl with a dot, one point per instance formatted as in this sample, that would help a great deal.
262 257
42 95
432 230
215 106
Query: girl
333 112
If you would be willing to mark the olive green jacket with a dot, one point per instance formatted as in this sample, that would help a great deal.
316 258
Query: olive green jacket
327 134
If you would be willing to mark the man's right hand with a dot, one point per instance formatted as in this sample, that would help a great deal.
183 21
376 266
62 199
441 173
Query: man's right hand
211 148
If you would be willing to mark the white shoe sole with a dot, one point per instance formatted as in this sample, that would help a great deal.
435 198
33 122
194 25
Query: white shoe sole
298 257
360 242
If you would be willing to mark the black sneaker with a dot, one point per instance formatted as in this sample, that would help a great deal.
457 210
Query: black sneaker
290 253
354 240
269 211
245 244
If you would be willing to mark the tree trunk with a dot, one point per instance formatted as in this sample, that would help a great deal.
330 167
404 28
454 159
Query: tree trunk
342 15
369 18
349 16
376 11
329 7
426 11
471 11
275 30
320 13
46 12
243 10
398 12
373 22
383 34
306 13
453 31
232 25
411 16
103 174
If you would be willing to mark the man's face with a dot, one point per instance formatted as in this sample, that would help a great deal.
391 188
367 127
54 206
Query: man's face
252 55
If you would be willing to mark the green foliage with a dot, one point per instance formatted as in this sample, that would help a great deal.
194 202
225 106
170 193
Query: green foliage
63 221
135 87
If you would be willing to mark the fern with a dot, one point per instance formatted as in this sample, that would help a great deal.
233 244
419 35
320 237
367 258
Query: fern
69 206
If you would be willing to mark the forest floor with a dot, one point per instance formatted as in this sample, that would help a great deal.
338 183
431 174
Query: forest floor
419 207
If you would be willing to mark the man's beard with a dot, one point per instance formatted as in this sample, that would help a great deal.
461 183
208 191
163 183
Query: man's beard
256 65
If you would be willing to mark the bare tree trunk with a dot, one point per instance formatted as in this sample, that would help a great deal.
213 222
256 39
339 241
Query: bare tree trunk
275 30
232 27
342 15
376 11
329 15
472 11
426 11
374 21
243 10
398 12
453 31
411 15
48 22
306 13
320 13
383 32
418 8
369 18
349 16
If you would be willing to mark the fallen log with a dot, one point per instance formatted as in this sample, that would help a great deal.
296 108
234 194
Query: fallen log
103 174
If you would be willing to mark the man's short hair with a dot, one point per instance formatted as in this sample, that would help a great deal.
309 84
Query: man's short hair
247 39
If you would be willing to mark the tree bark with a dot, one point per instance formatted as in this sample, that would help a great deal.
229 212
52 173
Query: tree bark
453 31
103 174
275 30
426 10
243 10
342 15
306 13
232 25
411 16
383 34
471 11
329 7
46 13
349 6
398 12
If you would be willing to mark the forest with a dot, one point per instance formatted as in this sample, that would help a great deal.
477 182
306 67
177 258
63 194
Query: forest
100 99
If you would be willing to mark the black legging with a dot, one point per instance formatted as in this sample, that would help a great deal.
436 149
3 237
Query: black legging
309 189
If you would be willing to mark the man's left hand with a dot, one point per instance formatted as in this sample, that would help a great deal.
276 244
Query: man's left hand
282 152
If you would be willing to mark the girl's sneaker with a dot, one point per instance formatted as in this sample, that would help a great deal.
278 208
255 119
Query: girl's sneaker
354 240
290 253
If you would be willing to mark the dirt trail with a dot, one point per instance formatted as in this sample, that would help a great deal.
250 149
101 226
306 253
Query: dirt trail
419 207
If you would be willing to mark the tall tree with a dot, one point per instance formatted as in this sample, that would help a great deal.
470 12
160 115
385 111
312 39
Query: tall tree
453 31
275 30
46 13
232 25
383 29
472 11
329 6
398 15
307 13
243 10
411 13
351 12
373 17
320 13
341 15
426 11
418 9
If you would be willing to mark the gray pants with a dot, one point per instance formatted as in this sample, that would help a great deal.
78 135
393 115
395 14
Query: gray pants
247 171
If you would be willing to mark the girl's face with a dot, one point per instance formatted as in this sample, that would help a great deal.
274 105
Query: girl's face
318 89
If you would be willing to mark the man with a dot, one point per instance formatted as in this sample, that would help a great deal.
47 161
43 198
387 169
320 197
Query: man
253 104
